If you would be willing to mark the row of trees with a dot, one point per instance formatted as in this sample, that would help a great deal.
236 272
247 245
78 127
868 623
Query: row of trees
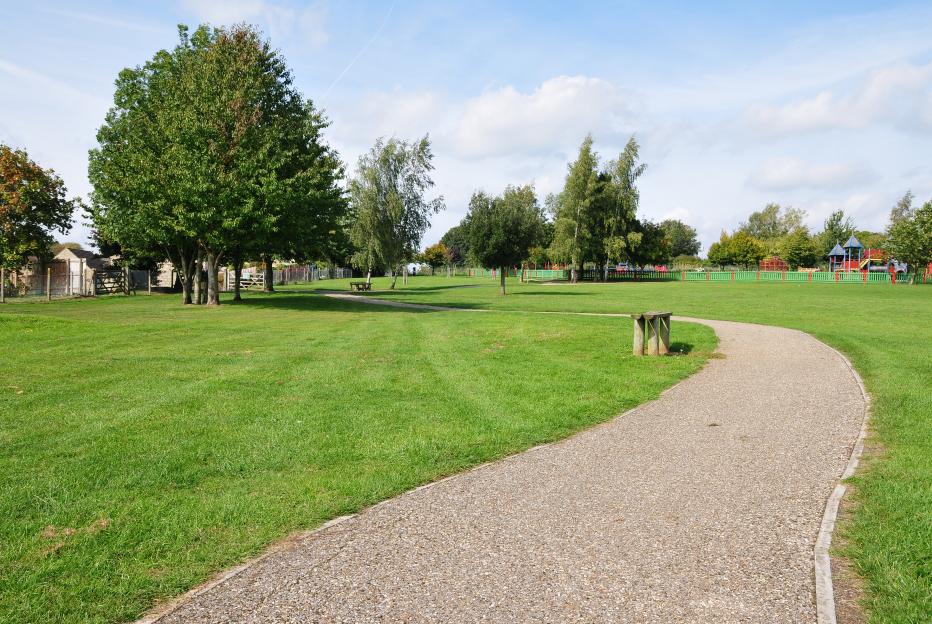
211 155
778 231
592 221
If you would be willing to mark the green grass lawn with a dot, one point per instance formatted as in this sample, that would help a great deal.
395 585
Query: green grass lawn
144 445
887 333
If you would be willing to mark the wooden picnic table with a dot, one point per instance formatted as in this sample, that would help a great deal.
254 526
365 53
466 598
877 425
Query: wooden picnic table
656 327
360 286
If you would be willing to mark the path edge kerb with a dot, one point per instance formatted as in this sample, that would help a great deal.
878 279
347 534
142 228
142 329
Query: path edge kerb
825 592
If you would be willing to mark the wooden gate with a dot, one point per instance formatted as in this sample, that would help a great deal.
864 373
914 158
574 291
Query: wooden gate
110 281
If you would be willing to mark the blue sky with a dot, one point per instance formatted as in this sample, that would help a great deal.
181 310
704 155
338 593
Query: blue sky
822 106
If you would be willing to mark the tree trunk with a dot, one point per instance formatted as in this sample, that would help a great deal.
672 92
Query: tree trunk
196 277
184 275
237 278
269 285
213 285
394 279
501 273
404 275
369 276
605 272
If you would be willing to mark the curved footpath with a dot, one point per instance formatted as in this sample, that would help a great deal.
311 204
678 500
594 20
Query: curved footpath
702 506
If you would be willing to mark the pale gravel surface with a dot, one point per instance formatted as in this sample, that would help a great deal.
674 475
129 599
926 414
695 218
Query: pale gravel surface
701 506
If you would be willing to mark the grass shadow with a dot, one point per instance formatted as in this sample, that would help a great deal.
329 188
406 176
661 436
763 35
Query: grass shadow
316 302
681 348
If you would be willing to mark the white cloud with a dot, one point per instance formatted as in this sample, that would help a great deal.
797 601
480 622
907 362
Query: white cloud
281 21
782 174
899 95
555 115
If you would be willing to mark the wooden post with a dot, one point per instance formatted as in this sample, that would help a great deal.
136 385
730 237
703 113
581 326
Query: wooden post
638 335
48 284
2 284
149 281
81 277
665 334
653 336
126 278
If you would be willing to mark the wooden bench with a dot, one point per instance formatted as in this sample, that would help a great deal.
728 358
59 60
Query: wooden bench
655 326
360 286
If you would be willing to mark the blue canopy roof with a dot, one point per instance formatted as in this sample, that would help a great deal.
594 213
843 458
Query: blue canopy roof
837 250
853 243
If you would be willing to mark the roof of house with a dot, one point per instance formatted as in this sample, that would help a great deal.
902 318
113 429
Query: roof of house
91 259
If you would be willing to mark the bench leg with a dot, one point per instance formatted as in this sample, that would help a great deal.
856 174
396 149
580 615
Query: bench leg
653 336
664 336
638 336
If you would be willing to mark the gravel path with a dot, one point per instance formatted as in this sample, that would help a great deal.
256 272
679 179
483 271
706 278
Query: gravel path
701 506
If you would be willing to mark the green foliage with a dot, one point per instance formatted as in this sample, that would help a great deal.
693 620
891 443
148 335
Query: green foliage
799 249
435 255
32 206
596 214
502 230
456 240
909 237
573 237
387 197
773 222
209 147
739 249
684 240
837 229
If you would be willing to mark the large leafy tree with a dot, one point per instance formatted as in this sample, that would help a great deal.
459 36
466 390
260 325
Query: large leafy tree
210 150
33 205
456 240
798 249
435 255
574 207
503 229
739 248
909 237
618 229
388 200
684 240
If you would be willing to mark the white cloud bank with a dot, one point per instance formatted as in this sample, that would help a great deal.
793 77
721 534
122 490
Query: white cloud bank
899 95
558 113
782 174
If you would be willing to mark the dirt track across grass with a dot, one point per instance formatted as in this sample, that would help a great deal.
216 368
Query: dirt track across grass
701 506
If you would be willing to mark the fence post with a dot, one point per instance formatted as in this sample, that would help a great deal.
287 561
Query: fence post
48 284
149 281
2 284
732 276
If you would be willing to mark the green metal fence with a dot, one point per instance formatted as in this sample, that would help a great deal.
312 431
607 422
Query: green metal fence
797 277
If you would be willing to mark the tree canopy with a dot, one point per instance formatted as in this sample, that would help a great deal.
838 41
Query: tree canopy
683 239
595 216
502 230
388 201
209 149
909 235
33 205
